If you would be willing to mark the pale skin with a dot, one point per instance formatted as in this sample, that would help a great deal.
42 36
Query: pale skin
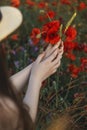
44 66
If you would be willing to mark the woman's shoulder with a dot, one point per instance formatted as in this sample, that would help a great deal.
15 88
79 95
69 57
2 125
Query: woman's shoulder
7 104
9 114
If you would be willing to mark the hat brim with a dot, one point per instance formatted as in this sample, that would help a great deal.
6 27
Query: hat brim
11 20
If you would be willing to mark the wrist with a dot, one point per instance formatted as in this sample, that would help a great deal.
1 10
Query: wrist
35 82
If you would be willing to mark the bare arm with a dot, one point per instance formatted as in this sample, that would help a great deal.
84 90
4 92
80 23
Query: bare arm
32 97
21 78
41 69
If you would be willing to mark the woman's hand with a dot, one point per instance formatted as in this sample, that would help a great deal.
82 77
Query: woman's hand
51 48
47 64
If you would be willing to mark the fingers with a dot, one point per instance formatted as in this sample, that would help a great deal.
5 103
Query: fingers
50 49
59 43
57 65
54 71
57 59
47 51
62 46
53 55
40 57
55 47
55 68
61 52
54 58
56 55
61 49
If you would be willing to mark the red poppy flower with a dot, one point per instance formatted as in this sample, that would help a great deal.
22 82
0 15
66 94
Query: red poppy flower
69 46
51 14
30 3
54 24
82 6
74 70
71 34
50 32
54 3
84 64
34 34
52 37
14 37
41 18
68 2
42 4
85 48
15 3
80 47
71 56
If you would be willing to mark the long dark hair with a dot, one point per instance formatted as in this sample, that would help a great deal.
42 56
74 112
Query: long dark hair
8 90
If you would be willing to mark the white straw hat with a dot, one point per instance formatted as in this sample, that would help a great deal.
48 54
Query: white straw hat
10 19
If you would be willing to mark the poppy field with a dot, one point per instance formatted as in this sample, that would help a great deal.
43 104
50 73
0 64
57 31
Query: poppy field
46 22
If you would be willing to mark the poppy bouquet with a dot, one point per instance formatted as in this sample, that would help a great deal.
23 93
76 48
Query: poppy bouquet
53 31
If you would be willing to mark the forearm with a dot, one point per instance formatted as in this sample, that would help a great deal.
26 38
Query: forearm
21 78
32 97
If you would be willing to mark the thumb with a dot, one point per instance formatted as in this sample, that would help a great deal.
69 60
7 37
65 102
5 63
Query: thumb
40 57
